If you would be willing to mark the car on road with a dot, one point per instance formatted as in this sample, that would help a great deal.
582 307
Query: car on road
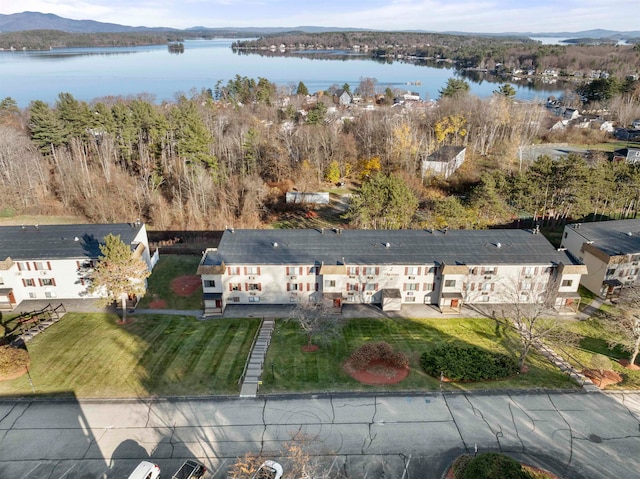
268 470
145 470
190 470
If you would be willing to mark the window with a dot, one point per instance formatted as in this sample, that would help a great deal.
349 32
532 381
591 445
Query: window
412 270
450 283
48 282
254 287
329 283
428 286
49 294
235 287
352 287
252 270
42 265
254 299
567 282
23 266
611 271
233 270
32 295
370 270
370 287
294 270
490 270
410 299
29 282
411 286
293 287
486 286
294 299
526 286
353 270
235 299
351 299
527 270
209 283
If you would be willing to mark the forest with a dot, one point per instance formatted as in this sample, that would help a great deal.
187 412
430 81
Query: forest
226 156
466 51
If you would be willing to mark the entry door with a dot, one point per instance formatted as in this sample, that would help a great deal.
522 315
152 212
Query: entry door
337 303
455 303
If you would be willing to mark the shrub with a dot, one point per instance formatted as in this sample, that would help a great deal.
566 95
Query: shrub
380 351
467 363
12 360
460 465
491 465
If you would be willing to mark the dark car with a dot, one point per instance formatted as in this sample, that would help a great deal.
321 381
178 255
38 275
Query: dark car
190 470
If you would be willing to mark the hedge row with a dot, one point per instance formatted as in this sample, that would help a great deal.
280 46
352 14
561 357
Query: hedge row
467 363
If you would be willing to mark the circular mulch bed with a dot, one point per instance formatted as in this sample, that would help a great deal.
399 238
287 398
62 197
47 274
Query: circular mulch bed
607 378
310 348
14 375
377 373
186 285
158 304
625 363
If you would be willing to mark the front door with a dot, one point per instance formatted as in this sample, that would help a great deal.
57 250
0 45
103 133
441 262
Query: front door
337 303
455 303
218 303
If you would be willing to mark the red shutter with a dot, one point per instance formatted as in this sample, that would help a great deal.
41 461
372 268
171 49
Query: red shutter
493 285
245 270
406 270
288 271
35 266
40 281
300 286
377 271
535 271
53 281
230 287
259 286
288 286
358 270
246 286
419 270
417 286
24 283
482 270
19 267
424 286
28 266
404 287
376 286
82 281
258 269
77 264
228 269
49 265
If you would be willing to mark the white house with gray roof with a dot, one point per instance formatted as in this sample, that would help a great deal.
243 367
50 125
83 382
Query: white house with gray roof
53 261
611 252
386 267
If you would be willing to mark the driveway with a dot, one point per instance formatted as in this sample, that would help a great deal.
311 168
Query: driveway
575 435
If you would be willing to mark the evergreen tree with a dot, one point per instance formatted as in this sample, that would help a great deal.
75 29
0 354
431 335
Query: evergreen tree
455 87
383 202
46 129
302 89
118 273
505 90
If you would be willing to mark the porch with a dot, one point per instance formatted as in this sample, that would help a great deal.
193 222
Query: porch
213 304
567 303
7 299
611 289
450 303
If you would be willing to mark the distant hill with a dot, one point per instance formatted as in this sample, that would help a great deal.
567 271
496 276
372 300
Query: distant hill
48 21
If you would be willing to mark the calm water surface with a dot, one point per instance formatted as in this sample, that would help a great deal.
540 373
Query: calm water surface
89 73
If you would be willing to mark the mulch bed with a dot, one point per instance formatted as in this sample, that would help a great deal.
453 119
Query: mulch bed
607 378
377 373
158 304
14 375
625 363
186 285
310 348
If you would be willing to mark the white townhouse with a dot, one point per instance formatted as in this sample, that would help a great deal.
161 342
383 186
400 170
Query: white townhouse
53 261
387 267
611 252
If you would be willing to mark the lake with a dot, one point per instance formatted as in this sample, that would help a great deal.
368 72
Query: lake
89 73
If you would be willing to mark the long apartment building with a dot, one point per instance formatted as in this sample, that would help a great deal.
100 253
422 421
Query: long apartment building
611 252
53 261
387 267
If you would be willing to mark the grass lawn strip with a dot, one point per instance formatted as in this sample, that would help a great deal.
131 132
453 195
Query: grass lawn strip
90 355
168 268
320 371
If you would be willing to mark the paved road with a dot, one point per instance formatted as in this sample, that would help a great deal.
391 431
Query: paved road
577 435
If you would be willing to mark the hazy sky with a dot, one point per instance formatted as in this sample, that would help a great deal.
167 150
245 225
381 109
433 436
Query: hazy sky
433 15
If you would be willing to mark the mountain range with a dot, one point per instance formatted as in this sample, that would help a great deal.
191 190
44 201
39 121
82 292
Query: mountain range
48 21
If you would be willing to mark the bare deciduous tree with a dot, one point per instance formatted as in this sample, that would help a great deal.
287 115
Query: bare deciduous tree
316 320
624 323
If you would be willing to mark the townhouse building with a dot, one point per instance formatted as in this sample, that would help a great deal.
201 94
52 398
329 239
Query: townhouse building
389 268
611 252
54 261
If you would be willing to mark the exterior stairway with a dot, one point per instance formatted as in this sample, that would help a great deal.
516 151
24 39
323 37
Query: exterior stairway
255 364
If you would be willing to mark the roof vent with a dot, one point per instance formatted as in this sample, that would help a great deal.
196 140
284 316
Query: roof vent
629 233
76 238
387 245
275 245
498 245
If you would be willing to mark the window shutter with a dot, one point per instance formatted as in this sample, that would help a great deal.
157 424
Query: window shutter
40 281
288 285
19 267
300 286
53 281
245 270
424 286
35 266
24 283
308 286
404 287
28 266
228 269
535 271
288 273
258 269
417 286
493 285
419 270
357 270
406 270
82 281
482 271
246 286
376 286
473 286
49 265
230 287
77 264
259 286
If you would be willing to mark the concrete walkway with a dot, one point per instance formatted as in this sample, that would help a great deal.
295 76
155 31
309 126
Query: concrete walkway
590 309
255 364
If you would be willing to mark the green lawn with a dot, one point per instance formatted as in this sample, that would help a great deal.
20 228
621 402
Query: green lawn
592 342
91 355
320 371
159 283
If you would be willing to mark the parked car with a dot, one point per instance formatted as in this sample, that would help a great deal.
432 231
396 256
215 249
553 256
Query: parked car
145 470
268 470
190 470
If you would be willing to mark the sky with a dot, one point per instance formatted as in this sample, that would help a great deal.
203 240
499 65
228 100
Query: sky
482 16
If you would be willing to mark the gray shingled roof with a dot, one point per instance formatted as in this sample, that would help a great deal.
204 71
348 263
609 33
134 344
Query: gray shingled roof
612 237
59 241
310 246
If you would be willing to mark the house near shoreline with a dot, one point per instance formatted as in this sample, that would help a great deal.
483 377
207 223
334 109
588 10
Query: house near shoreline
52 262
389 268
611 252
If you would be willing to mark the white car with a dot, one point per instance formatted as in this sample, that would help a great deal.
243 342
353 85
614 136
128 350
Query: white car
145 470
268 470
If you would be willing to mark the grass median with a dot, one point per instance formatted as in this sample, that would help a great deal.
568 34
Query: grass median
90 355
288 368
